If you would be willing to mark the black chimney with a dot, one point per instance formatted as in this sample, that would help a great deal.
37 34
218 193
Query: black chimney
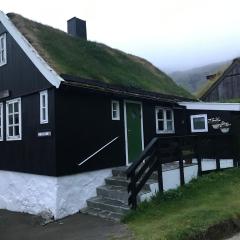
77 28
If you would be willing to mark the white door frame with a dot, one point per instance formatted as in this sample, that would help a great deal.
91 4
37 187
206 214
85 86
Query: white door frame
125 127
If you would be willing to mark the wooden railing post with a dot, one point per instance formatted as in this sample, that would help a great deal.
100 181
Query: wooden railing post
160 174
218 167
181 168
133 191
199 159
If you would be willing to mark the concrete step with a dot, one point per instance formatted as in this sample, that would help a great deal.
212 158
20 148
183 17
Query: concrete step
113 192
119 172
119 193
103 213
121 181
108 205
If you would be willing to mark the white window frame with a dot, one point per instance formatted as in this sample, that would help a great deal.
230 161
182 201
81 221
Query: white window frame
14 137
3 49
165 131
117 110
44 108
1 122
192 117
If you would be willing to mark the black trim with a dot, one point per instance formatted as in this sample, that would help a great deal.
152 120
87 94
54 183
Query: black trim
121 90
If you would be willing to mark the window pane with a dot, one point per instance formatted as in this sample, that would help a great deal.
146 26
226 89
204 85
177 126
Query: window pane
2 43
169 125
199 123
10 131
16 131
160 126
16 118
10 119
16 107
43 101
114 114
114 106
44 114
10 108
169 114
160 114
3 56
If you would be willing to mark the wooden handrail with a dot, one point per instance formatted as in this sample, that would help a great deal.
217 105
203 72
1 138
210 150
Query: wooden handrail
142 156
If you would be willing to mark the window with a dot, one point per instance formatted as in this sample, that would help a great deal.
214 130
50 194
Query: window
199 123
3 49
164 120
44 107
14 119
115 110
1 122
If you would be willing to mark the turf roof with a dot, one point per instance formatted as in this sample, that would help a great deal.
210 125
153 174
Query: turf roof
92 60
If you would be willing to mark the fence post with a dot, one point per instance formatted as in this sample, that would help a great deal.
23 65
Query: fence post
133 191
160 175
181 168
218 164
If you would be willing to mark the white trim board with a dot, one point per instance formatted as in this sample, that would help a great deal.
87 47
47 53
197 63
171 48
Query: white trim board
31 52
125 127
211 106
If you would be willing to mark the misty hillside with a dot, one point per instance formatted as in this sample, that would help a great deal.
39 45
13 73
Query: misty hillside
194 79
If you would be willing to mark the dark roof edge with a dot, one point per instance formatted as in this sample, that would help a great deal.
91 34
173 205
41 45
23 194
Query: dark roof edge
220 78
118 89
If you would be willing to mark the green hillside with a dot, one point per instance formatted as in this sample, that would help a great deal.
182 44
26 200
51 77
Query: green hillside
92 60
194 80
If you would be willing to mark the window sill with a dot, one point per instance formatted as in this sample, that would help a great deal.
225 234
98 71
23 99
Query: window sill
46 122
165 132
14 139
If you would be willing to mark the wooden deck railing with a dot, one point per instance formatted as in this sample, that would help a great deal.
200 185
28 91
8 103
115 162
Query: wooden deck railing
177 148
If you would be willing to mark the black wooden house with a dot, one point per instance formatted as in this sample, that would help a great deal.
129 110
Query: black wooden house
70 110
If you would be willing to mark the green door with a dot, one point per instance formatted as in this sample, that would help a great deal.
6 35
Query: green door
133 130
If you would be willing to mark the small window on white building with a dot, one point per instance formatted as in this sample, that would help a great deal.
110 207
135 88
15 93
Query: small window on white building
14 119
44 107
115 110
3 49
1 122
164 120
199 123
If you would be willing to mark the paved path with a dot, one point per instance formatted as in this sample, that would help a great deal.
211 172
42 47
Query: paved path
236 237
18 226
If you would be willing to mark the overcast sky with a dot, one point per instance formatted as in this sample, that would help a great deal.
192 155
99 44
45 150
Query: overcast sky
172 34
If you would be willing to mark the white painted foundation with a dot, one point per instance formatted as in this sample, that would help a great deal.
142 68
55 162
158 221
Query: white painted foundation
58 196
63 196
171 180
210 164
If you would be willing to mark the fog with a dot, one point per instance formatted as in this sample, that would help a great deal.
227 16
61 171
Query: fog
172 34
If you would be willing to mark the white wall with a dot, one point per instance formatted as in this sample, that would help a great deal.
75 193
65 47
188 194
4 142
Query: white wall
59 197
27 192
74 190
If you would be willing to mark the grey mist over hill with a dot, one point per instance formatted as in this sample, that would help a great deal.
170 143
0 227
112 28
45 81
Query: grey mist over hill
193 79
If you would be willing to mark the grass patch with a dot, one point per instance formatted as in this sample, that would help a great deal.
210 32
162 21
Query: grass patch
91 60
189 210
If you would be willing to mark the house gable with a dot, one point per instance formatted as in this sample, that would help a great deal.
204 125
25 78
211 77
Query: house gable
227 86
31 53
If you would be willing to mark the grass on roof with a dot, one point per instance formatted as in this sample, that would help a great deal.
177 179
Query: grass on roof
207 85
92 60
190 210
